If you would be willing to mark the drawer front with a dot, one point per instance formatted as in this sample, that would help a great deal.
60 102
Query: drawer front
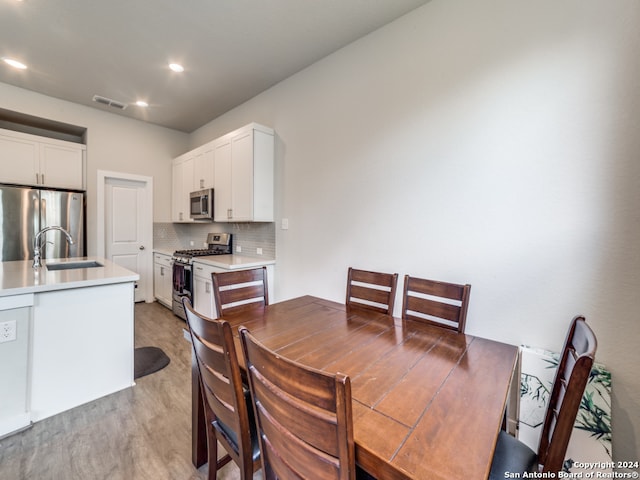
164 260
204 271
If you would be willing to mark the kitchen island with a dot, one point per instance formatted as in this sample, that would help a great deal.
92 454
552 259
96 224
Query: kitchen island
74 336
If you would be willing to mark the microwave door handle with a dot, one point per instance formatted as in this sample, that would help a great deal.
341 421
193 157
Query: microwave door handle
204 200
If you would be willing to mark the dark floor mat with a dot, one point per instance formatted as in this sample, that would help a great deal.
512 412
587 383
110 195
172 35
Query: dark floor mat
148 360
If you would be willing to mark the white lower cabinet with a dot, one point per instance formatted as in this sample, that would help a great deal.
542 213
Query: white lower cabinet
15 315
163 278
203 299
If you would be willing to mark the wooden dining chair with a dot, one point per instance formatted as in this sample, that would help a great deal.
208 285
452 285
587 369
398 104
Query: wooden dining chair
438 303
571 378
303 416
371 290
227 403
238 289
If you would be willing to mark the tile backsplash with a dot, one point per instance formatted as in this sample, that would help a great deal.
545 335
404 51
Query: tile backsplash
249 236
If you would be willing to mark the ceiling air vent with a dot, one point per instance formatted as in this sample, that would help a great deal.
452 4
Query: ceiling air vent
109 102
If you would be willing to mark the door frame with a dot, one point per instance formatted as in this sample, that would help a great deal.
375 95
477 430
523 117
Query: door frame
147 219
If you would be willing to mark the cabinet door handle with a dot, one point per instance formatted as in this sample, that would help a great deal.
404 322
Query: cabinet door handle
42 175
37 178
162 271
202 183
229 213
207 288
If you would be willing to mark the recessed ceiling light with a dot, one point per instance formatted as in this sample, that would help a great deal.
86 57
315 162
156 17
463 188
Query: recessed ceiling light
142 103
176 67
14 63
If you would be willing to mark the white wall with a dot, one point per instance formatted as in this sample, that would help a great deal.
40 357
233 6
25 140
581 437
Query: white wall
114 143
491 142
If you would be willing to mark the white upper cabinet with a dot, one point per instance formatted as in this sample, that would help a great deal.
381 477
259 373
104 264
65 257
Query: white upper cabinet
32 160
243 187
182 183
192 171
238 166
222 186
61 166
203 168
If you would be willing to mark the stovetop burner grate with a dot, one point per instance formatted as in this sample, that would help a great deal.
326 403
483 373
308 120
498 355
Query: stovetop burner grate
217 244
201 252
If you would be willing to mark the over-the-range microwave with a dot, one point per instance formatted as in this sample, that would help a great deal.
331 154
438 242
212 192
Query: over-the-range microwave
201 204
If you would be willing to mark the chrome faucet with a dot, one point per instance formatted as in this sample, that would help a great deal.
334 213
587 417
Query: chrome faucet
36 243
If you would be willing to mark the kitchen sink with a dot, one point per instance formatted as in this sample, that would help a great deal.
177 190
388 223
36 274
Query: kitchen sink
73 265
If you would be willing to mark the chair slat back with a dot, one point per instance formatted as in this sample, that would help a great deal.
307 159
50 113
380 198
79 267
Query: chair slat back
574 370
236 290
221 383
303 416
438 303
371 290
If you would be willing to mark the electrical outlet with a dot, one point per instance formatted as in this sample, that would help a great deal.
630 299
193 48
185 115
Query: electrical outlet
238 249
259 251
8 331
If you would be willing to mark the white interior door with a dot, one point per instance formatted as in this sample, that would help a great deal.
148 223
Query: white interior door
126 242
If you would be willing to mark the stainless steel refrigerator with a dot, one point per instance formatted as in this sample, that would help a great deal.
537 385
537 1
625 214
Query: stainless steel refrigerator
24 211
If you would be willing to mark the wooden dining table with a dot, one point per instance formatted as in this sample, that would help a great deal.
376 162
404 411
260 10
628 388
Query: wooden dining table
428 402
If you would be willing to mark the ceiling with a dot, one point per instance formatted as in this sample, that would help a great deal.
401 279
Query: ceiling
231 49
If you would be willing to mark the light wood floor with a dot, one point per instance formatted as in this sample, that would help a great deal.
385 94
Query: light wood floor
140 433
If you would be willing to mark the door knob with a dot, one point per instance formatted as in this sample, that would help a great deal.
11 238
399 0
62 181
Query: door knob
141 247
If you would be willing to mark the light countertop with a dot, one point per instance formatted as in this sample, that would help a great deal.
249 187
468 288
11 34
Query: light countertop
234 262
20 277
164 251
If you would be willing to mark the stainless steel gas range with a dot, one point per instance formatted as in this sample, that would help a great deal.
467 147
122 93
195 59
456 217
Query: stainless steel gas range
218 244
